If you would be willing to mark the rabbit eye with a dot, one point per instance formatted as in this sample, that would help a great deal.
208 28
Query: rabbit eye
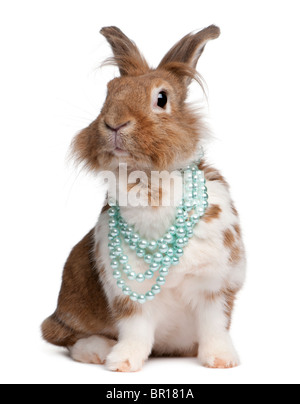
162 99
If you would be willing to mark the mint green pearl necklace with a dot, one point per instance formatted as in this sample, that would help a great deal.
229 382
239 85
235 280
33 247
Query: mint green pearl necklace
159 254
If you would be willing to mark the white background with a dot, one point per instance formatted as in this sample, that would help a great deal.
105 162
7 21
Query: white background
51 87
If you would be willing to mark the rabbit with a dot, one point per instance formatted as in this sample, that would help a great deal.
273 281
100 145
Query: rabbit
147 124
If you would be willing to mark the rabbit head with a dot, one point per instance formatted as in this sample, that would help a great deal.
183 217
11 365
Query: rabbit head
146 121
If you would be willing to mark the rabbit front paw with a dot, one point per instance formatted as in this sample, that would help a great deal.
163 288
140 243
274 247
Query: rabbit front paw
126 357
218 356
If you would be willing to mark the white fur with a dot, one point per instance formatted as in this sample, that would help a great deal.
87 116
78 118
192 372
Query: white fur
92 350
136 337
180 319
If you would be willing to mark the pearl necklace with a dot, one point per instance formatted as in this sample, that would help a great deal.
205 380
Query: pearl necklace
163 253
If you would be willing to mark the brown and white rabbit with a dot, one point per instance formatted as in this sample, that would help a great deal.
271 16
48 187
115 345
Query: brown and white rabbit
192 314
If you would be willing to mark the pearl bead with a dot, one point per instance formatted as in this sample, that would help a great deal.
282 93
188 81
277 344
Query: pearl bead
152 245
200 211
114 264
123 230
118 251
115 232
127 269
134 296
164 271
116 242
127 239
121 283
195 218
180 232
131 276
143 244
112 212
126 290
129 231
188 175
172 230
142 299
150 296
160 280
167 261
189 206
112 223
123 259
112 202
189 187
175 261
190 233
180 212
135 238
132 245
111 246
149 274
140 277
158 257
168 238
148 258
163 248
179 252
180 222
154 266
140 253
155 289
180 242
170 252
112 255
117 274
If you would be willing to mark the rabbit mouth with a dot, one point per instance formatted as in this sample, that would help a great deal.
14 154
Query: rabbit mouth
118 151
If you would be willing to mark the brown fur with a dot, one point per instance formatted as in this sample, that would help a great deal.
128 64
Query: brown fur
211 296
185 53
238 230
82 305
126 54
230 297
123 307
236 255
211 174
229 238
234 210
213 212
231 241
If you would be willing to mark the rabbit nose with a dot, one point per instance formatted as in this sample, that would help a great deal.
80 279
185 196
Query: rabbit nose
116 128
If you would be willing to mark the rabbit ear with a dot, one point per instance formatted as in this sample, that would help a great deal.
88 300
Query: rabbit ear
188 50
126 54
